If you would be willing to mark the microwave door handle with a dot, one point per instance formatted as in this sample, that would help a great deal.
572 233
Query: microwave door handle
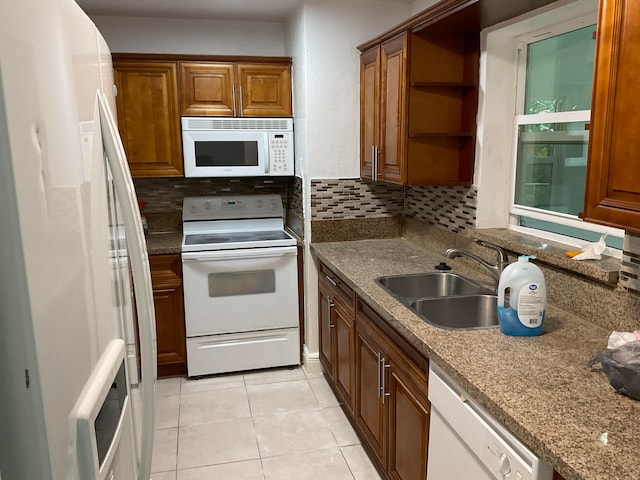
267 162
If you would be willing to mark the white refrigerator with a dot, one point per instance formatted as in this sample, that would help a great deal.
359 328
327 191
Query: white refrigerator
77 327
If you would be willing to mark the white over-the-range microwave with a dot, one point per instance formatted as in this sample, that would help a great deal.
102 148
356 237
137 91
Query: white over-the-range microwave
237 147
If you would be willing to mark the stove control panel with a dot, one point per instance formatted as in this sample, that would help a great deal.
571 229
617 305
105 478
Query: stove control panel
232 207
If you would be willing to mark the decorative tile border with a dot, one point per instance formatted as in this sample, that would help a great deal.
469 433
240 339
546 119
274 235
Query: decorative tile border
345 198
295 210
295 200
166 194
630 269
453 208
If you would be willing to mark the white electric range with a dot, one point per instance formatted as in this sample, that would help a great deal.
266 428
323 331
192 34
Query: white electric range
240 280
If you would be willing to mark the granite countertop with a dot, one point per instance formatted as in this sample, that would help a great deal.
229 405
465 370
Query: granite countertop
540 388
161 243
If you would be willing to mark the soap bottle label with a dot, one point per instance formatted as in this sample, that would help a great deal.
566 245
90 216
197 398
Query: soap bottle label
531 305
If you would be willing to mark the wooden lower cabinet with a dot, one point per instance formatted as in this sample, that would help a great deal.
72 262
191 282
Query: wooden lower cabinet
337 335
370 408
380 379
166 279
408 430
392 409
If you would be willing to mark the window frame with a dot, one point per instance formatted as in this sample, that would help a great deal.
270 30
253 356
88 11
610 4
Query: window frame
521 118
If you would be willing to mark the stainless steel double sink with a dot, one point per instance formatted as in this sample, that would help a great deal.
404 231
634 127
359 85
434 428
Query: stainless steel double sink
444 299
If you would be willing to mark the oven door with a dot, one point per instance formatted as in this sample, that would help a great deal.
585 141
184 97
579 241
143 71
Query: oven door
210 153
240 290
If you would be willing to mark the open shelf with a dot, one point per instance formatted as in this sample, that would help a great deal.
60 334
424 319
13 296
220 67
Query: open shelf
443 101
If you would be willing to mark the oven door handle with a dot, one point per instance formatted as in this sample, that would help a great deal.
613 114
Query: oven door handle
238 254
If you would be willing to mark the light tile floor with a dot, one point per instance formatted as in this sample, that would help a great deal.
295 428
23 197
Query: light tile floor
277 424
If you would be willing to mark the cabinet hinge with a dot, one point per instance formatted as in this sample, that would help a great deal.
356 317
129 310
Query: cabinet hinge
27 379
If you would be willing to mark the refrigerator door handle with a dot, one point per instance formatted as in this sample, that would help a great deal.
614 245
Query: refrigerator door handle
139 259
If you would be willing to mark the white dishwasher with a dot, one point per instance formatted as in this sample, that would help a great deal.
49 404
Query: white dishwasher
467 443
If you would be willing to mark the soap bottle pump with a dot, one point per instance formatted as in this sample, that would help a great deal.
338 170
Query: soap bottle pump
524 312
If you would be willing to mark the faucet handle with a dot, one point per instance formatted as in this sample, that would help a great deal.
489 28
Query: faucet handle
502 257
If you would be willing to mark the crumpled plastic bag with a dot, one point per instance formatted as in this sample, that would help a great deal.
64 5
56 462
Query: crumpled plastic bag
622 366
592 251
617 339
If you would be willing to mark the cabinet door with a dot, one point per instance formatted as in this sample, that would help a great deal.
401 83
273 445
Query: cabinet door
344 342
148 119
325 318
369 104
369 407
613 170
393 110
265 90
166 278
207 89
408 429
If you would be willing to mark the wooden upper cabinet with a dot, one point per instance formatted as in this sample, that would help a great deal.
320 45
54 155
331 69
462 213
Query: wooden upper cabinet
265 90
443 104
383 77
235 89
155 90
393 110
369 110
148 118
207 89
613 170
418 103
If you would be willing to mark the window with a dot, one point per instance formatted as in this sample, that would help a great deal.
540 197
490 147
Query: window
555 75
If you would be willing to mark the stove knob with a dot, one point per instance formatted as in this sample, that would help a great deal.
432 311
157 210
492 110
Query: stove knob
207 206
259 203
194 209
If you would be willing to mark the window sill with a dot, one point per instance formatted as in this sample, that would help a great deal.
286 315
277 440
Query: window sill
604 271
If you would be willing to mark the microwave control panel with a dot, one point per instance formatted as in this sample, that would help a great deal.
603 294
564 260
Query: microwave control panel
281 153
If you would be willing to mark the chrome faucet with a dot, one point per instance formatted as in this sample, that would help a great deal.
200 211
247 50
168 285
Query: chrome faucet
493 270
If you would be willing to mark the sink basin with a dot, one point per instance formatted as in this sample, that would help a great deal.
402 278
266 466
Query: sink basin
459 313
432 284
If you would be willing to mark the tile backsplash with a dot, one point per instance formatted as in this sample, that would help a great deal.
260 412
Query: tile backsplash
351 199
453 208
166 194
630 269
348 198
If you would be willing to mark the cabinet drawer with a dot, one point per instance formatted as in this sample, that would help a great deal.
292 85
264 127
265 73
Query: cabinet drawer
345 293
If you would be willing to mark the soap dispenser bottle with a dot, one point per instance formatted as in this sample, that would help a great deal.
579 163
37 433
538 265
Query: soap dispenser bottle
524 312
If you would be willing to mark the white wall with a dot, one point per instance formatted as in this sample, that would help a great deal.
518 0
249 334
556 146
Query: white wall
322 38
331 82
192 36
419 5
